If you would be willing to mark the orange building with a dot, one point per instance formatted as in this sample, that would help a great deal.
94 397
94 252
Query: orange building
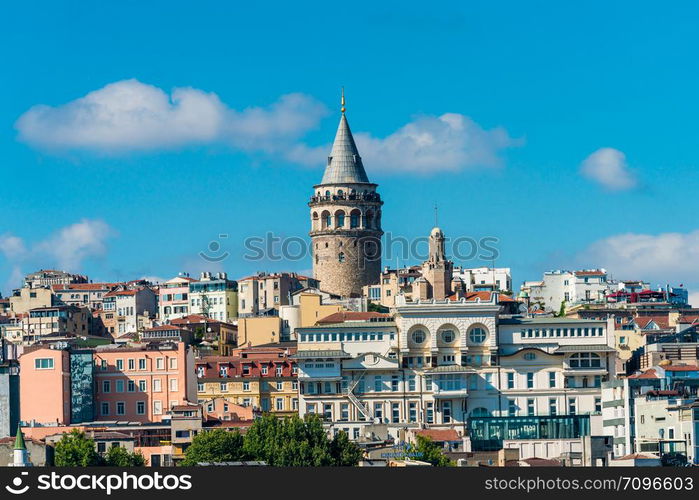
44 389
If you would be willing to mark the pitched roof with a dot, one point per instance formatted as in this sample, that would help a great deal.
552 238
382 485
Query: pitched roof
662 320
646 374
592 272
681 368
439 434
344 163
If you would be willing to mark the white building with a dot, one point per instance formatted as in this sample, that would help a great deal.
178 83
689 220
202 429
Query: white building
569 287
214 296
485 278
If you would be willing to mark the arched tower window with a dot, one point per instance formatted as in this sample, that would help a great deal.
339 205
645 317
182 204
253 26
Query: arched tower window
327 220
339 218
341 257
354 218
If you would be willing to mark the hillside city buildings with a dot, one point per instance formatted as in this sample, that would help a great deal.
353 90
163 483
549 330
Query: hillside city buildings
576 369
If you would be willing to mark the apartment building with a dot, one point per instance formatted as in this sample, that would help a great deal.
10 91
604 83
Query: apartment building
173 298
29 297
88 295
261 378
558 287
214 296
262 292
136 383
128 310
49 277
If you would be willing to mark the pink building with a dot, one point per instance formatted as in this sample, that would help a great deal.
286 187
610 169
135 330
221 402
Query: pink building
137 383
174 298
44 389
142 383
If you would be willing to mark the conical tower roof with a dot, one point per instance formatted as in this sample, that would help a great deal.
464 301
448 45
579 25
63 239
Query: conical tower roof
19 440
344 163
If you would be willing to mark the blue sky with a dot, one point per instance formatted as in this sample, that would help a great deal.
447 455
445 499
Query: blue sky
567 132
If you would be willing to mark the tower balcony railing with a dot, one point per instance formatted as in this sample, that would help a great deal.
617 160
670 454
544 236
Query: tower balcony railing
347 197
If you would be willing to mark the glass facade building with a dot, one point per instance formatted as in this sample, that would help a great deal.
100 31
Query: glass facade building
488 433
82 397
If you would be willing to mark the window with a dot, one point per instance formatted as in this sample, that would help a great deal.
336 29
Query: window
140 407
446 412
173 385
585 360
530 408
279 371
553 407
157 407
598 405
477 335
43 363
448 336
395 413
119 386
131 386
412 412
510 380
265 370
246 386
279 404
512 408
106 386
530 380
120 364
120 408
419 336
378 384
572 406
429 413
529 356
280 386
141 364
104 408
173 363
341 257
411 383
159 364
132 364
142 385
378 411
223 386
157 386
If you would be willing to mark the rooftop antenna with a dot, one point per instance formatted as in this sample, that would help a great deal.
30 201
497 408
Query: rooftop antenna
342 100
436 216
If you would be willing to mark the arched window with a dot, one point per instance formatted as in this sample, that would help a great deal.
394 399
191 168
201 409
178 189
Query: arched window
340 192
327 193
585 360
354 218
477 335
341 257
327 220
448 336
480 412
419 336
339 218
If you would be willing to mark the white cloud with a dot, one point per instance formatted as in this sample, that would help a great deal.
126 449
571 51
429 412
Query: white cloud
449 142
663 258
66 249
12 246
128 116
608 168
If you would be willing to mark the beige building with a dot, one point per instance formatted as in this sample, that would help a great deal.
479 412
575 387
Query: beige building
262 292
29 297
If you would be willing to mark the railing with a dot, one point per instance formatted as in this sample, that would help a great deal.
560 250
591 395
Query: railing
345 196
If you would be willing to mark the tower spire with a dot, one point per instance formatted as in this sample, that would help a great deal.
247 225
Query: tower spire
342 100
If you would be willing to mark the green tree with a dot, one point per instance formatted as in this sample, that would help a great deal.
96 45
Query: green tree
344 451
428 451
119 456
218 445
76 450
562 310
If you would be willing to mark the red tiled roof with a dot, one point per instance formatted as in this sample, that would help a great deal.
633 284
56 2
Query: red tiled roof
646 374
663 321
342 316
595 272
193 318
84 286
634 456
681 368
115 293
439 434
163 328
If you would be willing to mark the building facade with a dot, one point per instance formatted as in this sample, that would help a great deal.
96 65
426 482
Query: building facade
214 296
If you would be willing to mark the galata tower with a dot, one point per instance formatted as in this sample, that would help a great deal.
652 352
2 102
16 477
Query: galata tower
345 220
